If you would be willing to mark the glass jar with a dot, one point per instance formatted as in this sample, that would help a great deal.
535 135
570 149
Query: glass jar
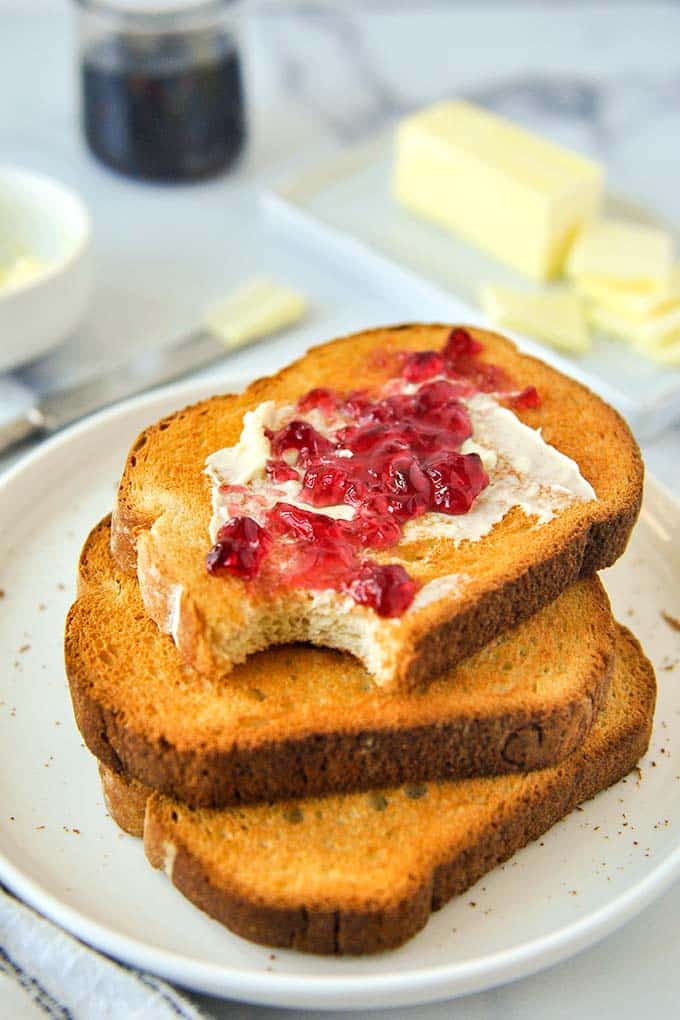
161 84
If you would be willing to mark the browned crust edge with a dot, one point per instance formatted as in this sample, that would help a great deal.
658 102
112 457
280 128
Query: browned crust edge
343 761
499 610
354 932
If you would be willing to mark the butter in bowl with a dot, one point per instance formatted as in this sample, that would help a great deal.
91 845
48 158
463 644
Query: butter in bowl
45 264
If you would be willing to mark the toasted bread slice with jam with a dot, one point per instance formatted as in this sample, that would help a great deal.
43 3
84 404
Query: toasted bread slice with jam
471 589
361 873
297 721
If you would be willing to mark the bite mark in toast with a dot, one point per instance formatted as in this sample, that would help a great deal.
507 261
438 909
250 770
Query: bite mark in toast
163 512
299 721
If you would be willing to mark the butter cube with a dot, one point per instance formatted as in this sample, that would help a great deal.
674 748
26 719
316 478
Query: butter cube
257 308
631 303
650 336
520 198
554 314
666 354
618 253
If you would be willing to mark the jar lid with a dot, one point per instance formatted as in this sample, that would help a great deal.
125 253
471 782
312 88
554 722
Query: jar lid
146 9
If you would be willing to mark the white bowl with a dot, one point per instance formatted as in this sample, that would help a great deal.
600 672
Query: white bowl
41 217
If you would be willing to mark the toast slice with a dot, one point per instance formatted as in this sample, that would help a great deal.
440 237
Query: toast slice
361 873
297 721
472 589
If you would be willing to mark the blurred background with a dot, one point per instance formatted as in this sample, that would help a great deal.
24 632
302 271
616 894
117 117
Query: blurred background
295 185
601 77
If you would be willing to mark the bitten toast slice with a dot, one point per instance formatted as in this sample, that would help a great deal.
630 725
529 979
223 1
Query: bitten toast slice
163 512
297 721
361 873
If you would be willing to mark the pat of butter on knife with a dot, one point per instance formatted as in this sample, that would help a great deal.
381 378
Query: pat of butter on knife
256 309
519 197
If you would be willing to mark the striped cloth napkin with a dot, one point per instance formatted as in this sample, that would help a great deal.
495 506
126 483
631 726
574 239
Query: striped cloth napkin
45 972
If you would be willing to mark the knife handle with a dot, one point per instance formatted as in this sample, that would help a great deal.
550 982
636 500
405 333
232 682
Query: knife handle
29 424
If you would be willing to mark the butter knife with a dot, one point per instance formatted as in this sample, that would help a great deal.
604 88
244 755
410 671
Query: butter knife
142 372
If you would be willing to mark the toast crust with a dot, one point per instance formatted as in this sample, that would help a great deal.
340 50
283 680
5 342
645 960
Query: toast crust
299 721
331 915
512 572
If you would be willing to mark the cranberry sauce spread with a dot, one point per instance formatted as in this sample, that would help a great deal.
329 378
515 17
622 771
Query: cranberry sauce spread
357 468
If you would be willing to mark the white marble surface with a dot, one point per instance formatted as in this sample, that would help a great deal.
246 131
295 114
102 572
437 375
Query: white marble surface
605 77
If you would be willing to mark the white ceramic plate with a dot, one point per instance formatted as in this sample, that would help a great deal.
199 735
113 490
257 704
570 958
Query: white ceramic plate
61 852
346 201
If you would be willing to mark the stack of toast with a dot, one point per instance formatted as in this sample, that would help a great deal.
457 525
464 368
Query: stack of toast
315 774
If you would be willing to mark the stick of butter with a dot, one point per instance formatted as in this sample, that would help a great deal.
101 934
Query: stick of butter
256 309
554 314
619 253
630 303
519 197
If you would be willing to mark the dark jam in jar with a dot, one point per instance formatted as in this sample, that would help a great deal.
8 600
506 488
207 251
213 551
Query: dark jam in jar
167 107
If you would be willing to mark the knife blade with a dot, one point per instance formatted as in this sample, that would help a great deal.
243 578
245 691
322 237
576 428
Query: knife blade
142 372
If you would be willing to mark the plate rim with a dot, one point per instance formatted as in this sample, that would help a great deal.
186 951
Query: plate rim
428 984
